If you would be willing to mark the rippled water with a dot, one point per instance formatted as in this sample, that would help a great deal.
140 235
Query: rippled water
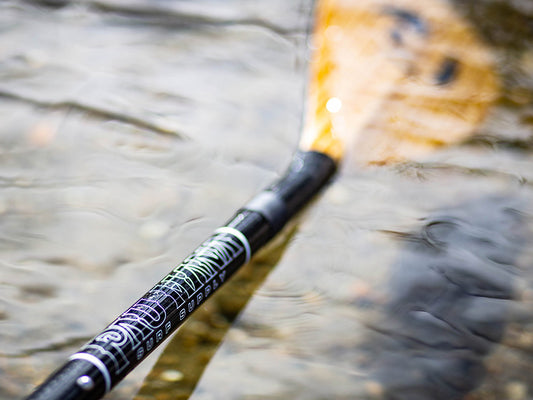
122 148
130 132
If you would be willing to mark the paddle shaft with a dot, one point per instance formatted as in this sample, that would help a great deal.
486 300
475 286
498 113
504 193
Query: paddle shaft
111 355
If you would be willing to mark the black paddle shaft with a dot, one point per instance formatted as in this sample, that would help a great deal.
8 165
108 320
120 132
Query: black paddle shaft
109 357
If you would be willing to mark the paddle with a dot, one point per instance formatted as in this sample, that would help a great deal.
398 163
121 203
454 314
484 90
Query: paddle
332 100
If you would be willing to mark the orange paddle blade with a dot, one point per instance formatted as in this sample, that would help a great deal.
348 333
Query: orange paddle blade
391 80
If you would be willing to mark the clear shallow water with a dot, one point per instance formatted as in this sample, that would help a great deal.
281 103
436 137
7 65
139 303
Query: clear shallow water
114 164
129 135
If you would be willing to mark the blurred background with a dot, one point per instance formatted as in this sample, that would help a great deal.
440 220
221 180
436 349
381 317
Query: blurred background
130 130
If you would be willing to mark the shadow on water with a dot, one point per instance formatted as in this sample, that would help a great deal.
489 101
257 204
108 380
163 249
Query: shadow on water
451 294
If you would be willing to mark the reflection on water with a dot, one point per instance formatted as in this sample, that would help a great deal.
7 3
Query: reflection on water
123 126
451 293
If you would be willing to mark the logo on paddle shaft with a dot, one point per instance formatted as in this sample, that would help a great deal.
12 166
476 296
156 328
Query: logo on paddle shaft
147 322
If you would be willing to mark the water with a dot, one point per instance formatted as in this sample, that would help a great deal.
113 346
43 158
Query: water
122 149
130 132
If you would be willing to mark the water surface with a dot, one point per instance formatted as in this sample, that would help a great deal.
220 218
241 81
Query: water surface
130 132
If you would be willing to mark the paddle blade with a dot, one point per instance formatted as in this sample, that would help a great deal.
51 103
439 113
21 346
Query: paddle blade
392 80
